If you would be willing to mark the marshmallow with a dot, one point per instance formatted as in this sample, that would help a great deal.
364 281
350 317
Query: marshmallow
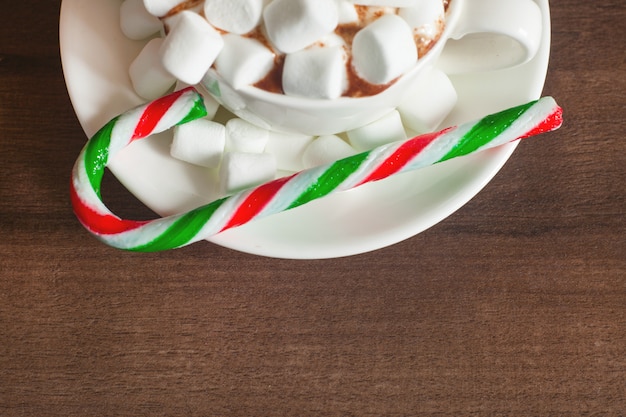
243 136
244 170
384 50
428 102
235 16
200 142
135 21
190 48
160 8
169 21
326 149
346 12
385 130
150 80
288 149
243 61
316 73
292 25
425 17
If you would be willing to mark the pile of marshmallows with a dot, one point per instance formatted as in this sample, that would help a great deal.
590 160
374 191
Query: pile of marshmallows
241 40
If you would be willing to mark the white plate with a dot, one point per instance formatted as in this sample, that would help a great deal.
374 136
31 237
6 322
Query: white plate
96 57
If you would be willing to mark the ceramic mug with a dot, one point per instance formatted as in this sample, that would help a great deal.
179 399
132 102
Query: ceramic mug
499 34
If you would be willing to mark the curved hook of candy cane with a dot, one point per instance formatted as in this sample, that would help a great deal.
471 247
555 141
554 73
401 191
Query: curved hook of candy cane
171 232
157 116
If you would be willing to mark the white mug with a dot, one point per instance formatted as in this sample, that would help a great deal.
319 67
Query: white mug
493 34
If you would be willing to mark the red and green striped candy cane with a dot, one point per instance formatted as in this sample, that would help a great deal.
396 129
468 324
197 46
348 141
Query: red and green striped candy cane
175 231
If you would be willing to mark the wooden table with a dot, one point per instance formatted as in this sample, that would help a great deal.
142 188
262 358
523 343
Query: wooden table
515 305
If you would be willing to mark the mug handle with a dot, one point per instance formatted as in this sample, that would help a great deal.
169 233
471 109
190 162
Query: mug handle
492 35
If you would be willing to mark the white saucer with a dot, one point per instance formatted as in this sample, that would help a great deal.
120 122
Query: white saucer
96 56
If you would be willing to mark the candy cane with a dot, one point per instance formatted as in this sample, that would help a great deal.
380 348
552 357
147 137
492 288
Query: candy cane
175 231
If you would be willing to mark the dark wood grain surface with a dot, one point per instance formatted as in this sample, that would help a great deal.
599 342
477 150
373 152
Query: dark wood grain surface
515 305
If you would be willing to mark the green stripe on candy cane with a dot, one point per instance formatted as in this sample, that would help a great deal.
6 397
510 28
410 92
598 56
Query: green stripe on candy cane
486 129
97 155
286 193
332 177
183 230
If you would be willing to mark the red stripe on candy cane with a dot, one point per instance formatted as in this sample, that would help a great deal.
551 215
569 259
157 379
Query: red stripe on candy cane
403 155
98 223
153 114
550 123
256 202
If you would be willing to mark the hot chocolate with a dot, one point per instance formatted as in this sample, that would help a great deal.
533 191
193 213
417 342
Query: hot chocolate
320 66
308 48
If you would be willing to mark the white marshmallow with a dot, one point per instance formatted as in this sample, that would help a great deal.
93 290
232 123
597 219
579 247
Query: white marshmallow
160 8
170 21
292 25
425 17
428 102
243 61
150 80
288 149
244 170
384 50
200 142
243 136
135 21
385 130
316 73
346 12
235 16
326 149
384 3
190 48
